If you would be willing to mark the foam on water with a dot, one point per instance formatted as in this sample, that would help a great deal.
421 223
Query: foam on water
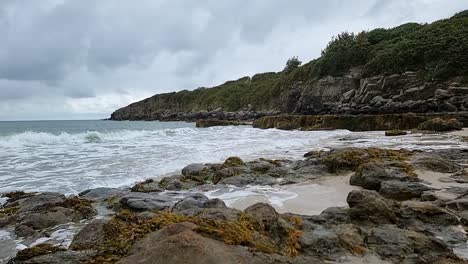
73 159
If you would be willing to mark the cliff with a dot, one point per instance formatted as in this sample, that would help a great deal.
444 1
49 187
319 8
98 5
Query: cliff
410 68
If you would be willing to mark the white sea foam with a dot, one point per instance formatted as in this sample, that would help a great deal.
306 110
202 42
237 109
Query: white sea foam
70 162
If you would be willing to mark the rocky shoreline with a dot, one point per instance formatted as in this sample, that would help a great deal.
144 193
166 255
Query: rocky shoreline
407 207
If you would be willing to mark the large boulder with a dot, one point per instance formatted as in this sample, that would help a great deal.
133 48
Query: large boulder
148 201
370 206
435 162
398 190
441 125
400 245
371 175
179 243
90 237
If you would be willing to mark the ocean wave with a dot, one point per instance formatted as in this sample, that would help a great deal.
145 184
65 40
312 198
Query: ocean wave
45 138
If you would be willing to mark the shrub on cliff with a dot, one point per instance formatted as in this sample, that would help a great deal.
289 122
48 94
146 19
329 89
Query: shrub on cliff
292 64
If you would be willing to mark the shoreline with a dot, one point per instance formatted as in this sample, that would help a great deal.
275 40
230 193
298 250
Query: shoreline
309 188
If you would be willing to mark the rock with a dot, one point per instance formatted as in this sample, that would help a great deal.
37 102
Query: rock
46 210
458 90
335 215
37 201
53 256
427 212
435 162
393 133
90 237
178 243
263 213
370 206
217 122
348 95
58 215
147 186
194 169
441 125
371 175
447 107
357 122
102 194
24 231
400 191
458 204
193 204
442 94
233 162
397 244
321 240
148 201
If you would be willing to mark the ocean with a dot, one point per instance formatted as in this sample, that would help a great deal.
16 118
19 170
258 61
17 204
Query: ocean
72 156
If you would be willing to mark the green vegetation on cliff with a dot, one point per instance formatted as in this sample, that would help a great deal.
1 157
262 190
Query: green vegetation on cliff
438 51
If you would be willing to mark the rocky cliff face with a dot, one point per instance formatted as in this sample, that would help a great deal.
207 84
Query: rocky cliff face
349 94
397 93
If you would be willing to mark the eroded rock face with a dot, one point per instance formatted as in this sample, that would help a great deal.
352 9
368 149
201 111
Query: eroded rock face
361 122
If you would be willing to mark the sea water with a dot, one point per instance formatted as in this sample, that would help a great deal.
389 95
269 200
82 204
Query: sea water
72 156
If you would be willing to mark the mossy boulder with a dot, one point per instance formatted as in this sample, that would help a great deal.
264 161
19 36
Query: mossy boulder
233 162
351 158
441 125
39 250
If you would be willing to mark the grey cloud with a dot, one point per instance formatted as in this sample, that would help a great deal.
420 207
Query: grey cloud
75 49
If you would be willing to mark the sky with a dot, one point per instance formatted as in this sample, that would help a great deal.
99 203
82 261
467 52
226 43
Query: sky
83 59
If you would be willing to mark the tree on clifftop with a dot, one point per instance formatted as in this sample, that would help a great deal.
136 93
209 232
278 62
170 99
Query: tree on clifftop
291 64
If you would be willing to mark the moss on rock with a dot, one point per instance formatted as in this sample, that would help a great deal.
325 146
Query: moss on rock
441 125
127 227
352 158
39 250
233 162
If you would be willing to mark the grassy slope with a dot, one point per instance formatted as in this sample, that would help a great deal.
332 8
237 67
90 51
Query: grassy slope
438 51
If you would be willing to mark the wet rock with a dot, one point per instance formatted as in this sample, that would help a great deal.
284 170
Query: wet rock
322 241
177 182
434 162
370 206
53 256
44 210
400 191
427 212
160 247
38 201
439 124
147 201
233 162
393 133
194 169
335 215
193 204
458 204
56 216
217 122
24 231
371 175
90 237
263 212
397 244
102 194
147 186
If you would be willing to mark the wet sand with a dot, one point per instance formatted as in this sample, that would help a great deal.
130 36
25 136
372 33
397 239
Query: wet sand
311 197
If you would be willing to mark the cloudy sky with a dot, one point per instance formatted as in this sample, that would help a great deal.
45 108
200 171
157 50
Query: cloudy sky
80 59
